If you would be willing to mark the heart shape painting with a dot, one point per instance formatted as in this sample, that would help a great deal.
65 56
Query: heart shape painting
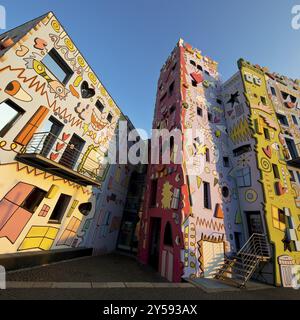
268 152
86 91
54 156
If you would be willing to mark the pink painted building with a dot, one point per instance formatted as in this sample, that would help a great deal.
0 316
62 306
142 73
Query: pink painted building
191 217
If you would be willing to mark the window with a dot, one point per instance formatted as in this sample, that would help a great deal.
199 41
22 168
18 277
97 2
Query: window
193 63
292 148
243 177
241 150
295 120
199 67
276 171
194 83
284 95
267 133
207 155
163 97
109 118
226 162
99 105
57 65
282 119
34 199
293 99
219 101
292 175
298 175
10 113
199 112
273 91
173 68
168 239
209 116
207 72
171 88
172 109
60 208
153 193
278 216
206 195
263 100
175 199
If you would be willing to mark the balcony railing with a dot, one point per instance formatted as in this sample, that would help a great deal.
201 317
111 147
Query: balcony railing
295 159
47 152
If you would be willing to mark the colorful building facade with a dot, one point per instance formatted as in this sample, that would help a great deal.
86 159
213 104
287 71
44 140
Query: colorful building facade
191 211
247 151
57 123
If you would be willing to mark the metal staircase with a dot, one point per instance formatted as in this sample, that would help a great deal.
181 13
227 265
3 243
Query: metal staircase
240 268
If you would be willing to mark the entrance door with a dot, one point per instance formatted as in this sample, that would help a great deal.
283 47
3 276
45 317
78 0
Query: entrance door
72 152
213 257
154 242
254 222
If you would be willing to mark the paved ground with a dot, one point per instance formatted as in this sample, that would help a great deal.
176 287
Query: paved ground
107 268
115 277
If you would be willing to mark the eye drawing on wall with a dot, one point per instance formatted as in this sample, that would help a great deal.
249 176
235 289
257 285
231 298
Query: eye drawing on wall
15 90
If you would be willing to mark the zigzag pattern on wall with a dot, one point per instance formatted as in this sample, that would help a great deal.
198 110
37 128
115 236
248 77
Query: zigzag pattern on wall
35 84
38 173
210 224
240 132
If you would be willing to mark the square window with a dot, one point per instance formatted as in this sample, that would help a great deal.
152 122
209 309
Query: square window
273 91
276 171
263 100
10 113
57 66
99 105
292 176
199 112
209 116
171 88
34 199
267 133
243 177
109 118
226 162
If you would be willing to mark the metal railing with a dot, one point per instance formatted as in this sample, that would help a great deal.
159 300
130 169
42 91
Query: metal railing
243 265
49 146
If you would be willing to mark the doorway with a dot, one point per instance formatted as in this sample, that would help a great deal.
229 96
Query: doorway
72 152
254 222
50 132
154 247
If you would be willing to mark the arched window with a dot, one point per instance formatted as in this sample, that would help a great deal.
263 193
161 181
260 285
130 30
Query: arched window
168 239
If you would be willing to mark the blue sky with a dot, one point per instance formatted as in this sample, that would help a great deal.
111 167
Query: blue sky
127 41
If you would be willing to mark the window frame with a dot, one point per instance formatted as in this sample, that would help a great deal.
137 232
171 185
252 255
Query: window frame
12 122
61 63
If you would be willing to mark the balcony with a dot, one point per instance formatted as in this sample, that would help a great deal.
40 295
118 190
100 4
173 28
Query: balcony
47 152
295 158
